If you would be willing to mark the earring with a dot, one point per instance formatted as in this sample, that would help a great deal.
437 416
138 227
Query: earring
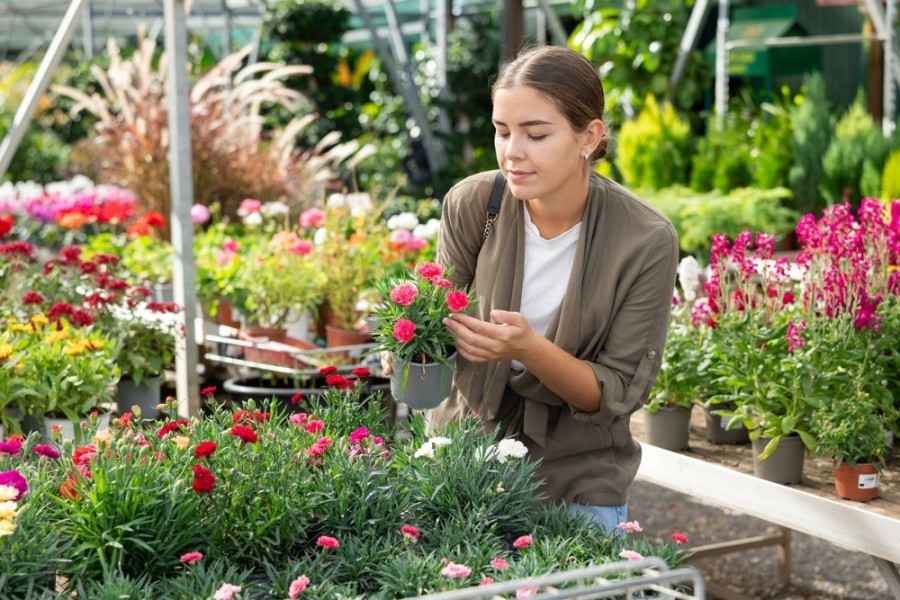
586 156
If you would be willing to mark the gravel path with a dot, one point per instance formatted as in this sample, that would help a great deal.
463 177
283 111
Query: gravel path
820 570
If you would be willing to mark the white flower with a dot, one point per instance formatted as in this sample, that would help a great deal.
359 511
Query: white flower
428 231
426 449
319 236
8 492
253 219
336 201
488 453
510 448
440 441
405 220
275 208
689 276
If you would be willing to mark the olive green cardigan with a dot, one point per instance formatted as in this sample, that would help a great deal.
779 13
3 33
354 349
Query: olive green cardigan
614 315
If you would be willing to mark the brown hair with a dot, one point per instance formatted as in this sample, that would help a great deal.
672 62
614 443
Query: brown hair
564 77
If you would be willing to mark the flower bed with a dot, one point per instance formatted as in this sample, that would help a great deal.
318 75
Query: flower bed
335 504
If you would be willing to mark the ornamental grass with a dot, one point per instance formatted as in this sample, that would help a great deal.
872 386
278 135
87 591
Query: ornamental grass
251 502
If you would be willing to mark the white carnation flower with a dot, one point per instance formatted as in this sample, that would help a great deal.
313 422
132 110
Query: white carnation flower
440 441
426 449
689 277
510 448
275 208
405 220
253 219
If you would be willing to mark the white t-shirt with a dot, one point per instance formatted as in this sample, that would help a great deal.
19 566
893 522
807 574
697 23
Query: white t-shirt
548 265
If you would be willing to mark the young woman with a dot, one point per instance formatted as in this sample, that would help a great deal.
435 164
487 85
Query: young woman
575 281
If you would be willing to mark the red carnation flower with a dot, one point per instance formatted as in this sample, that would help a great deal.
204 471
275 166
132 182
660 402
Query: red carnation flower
208 391
247 435
32 298
678 538
204 449
204 480
327 370
338 382
6 224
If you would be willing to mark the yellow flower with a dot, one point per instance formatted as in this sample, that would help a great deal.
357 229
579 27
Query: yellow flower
56 336
5 351
76 347
39 319
8 492
182 441
103 438
21 327
95 344
7 510
6 527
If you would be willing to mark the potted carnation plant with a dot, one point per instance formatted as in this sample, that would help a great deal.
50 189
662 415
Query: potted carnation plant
410 326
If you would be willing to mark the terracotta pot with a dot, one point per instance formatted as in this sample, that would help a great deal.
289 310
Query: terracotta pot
336 337
274 347
859 483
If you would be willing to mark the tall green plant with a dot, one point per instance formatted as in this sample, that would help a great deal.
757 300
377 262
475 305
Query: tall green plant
653 149
890 178
813 126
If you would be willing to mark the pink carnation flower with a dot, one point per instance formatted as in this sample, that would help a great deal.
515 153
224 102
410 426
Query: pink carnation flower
298 586
631 555
404 294
455 571
326 541
404 330
409 531
630 527
499 563
191 557
312 217
522 541
430 270
457 301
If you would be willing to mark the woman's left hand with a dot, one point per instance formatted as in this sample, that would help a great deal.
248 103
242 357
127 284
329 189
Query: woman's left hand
508 337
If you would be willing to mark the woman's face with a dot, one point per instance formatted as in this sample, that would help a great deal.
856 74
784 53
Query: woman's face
538 151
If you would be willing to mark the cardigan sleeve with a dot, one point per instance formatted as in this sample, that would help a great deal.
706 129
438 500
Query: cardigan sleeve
629 361
462 222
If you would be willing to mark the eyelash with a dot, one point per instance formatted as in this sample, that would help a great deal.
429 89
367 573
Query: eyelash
534 138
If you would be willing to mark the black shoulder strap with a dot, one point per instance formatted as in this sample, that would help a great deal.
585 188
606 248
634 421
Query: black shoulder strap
494 204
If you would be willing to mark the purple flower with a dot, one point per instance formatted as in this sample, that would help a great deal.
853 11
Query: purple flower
15 480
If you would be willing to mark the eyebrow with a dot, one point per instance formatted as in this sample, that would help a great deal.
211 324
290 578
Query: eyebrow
526 123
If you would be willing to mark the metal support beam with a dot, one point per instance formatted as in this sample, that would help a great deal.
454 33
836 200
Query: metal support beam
187 382
557 31
407 88
879 21
891 79
87 31
688 41
442 33
39 85
721 89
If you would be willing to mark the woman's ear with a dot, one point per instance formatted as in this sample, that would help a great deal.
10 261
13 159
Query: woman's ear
593 135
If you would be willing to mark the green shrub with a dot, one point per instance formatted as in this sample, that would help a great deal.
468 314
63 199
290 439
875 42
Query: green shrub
772 154
724 156
652 151
890 178
697 216
813 126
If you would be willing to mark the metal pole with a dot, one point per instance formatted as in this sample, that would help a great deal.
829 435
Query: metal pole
413 103
557 31
187 383
87 31
879 22
721 100
889 119
442 24
39 85
688 40
226 29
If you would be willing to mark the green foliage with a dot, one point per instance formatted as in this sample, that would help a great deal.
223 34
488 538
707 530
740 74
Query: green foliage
890 178
772 153
653 150
697 216
813 126
635 48
857 142
343 471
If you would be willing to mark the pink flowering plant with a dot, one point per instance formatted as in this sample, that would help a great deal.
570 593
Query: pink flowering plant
250 501
411 315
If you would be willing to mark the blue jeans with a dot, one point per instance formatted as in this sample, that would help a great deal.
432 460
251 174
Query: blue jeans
607 517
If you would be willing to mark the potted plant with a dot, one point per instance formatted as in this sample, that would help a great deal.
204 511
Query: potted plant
850 429
410 325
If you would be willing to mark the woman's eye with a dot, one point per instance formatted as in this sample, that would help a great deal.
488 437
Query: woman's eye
501 134
537 138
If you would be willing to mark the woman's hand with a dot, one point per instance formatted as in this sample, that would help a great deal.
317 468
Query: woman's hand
387 363
508 337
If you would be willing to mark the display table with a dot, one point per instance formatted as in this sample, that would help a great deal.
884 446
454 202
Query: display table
723 475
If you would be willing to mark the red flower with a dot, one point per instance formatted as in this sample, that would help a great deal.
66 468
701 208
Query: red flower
338 382
678 538
208 391
315 426
328 370
170 427
247 435
404 294
409 531
59 309
404 330
6 224
81 318
32 298
68 489
83 454
296 398
205 449
154 219
361 372
204 480
457 301
430 270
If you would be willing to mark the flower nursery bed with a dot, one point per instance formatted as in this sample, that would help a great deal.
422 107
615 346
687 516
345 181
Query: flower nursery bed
818 477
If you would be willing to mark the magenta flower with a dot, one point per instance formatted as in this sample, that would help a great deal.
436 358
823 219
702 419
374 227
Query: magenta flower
199 214
14 480
191 558
522 541
409 531
11 447
359 435
404 330
315 426
326 541
404 294
429 270
46 451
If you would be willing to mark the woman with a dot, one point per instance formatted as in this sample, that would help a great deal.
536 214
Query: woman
575 280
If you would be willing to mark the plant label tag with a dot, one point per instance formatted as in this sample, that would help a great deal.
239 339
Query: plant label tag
867 482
